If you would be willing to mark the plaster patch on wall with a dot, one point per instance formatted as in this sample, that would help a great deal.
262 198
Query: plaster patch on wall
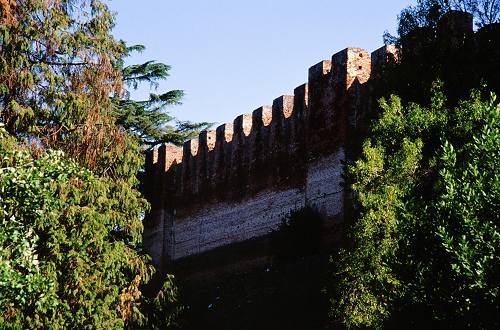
228 223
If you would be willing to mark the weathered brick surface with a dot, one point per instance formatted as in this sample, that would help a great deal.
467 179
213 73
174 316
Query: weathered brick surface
224 223
324 189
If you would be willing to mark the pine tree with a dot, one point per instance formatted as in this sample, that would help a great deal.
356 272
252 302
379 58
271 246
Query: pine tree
147 119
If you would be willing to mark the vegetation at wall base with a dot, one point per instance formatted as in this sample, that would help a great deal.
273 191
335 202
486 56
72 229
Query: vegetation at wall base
299 235
427 242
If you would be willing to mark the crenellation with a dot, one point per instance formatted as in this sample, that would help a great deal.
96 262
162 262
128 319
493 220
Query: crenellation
358 72
283 106
171 170
191 147
151 160
151 170
205 158
242 125
417 42
455 29
319 70
207 139
488 37
380 58
282 109
153 154
320 108
289 123
487 40
261 117
240 157
259 147
224 133
298 119
162 159
300 97
350 65
168 156
295 175
222 156
189 169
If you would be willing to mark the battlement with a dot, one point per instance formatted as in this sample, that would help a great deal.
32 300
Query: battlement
238 181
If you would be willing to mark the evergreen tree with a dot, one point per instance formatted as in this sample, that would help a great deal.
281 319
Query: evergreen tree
56 75
147 119
69 246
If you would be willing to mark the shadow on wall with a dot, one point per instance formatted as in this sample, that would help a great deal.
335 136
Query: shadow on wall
287 293
298 236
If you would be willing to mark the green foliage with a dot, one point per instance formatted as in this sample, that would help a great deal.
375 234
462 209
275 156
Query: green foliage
467 210
427 250
69 244
71 219
163 311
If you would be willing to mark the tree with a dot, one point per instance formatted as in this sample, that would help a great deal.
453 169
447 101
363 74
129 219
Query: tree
71 217
427 52
147 119
427 13
427 241
60 65
56 75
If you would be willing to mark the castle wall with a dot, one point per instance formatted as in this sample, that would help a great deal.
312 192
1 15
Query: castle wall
239 181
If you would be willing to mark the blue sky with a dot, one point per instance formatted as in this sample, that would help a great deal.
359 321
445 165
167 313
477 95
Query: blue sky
230 57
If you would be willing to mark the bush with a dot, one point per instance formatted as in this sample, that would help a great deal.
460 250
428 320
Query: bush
427 241
298 235
69 244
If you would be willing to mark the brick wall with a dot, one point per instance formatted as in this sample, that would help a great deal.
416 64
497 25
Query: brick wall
238 181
